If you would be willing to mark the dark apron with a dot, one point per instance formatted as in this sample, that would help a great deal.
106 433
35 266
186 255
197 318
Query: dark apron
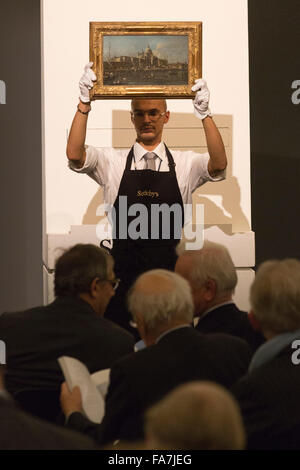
133 257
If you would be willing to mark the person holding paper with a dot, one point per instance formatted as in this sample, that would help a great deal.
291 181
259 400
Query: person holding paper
162 306
72 325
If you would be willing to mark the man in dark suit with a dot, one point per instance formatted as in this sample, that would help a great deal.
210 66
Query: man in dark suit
162 307
72 325
212 277
269 394
20 431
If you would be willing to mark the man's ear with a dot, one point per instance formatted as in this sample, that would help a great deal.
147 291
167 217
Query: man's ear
210 290
94 287
254 321
167 116
132 118
140 325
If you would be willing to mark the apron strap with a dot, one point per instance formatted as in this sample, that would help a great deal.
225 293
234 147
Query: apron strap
129 160
171 162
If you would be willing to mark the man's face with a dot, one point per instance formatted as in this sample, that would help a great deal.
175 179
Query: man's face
149 118
105 292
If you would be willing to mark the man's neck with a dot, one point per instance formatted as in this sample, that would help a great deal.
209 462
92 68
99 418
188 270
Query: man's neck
149 145
152 336
222 299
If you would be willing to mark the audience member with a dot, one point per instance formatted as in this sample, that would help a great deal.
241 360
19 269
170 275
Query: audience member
212 277
72 325
20 431
195 416
269 393
162 307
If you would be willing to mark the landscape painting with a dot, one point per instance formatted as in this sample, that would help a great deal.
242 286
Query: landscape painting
145 60
153 59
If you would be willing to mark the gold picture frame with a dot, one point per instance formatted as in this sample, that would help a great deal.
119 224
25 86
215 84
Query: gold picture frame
151 59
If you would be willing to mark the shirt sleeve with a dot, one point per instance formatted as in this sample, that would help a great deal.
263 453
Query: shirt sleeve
95 165
199 171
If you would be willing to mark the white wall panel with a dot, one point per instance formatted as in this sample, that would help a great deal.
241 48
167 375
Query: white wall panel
225 67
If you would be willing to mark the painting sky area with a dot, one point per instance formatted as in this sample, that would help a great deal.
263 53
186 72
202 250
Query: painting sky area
173 48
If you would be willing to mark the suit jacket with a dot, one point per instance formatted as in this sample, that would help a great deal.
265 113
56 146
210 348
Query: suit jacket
35 338
141 379
269 401
20 431
232 321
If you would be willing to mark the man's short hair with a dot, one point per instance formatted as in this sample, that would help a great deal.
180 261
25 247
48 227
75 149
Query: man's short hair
196 416
275 295
76 268
213 261
164 102
162 306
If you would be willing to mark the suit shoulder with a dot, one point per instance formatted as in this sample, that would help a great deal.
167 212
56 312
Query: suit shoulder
134 359
23 431
11 317
228 341
116 330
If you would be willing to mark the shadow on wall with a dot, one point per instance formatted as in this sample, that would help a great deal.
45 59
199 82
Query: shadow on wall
222 200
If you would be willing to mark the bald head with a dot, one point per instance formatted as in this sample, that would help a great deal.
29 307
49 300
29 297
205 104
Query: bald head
196 415
138 103
161 297
154 282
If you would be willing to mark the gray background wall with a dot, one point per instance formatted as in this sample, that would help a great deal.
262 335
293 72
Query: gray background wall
21 157
274 38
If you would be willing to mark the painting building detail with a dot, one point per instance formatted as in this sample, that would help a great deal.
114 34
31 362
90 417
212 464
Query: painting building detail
144 68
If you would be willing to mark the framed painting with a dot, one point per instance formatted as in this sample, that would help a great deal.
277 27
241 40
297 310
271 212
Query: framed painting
145 59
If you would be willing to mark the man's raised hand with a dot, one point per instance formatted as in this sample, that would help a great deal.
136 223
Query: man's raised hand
201 101
86 83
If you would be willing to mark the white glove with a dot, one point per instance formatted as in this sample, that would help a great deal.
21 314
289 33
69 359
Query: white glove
201 101
86 83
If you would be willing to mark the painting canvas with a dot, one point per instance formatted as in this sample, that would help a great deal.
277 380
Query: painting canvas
145 59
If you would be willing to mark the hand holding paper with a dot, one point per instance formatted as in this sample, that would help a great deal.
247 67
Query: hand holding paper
70 401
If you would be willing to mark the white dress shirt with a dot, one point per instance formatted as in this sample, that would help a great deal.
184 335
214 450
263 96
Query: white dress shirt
106 167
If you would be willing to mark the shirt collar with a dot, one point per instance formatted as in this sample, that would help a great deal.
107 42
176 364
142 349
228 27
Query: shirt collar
215 307
271 348
139 151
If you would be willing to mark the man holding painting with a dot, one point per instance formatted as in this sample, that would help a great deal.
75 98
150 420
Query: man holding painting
147 179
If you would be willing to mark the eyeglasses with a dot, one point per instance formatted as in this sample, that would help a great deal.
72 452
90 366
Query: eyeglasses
114 283
153 114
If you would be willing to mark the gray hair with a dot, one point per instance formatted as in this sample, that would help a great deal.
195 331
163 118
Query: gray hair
162 305
196 416
213 261
275 295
